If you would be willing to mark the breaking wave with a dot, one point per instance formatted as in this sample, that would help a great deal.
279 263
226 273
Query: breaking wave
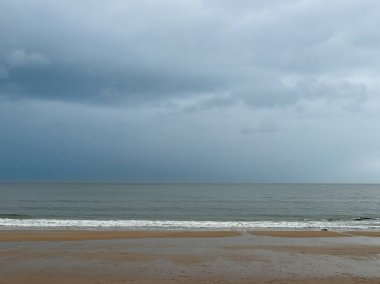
12 223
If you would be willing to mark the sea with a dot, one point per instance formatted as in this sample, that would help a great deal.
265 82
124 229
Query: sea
189 206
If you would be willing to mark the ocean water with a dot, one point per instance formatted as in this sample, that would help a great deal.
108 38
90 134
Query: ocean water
190 206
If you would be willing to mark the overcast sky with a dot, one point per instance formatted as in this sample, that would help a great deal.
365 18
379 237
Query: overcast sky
171 91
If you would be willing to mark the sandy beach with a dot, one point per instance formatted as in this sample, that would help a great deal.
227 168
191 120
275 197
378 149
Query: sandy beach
82 235
189 257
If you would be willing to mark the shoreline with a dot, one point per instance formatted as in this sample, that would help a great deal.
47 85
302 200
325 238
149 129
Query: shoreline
83 235
25 235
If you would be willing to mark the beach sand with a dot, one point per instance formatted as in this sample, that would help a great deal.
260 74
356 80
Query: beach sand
300 234
189 257
66 235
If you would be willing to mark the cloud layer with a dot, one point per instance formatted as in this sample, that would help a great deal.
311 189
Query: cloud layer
189 90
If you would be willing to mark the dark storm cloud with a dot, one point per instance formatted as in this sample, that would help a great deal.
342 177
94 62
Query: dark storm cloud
109 51
60 51
197 90
74 83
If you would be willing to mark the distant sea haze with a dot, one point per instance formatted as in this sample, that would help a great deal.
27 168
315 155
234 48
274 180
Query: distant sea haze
190 206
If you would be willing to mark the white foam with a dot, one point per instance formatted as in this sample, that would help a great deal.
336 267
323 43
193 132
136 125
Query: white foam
6 223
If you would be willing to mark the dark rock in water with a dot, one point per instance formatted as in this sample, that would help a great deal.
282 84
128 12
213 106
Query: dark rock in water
363 218
324 229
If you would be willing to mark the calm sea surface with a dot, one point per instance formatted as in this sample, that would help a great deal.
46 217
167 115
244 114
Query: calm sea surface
190 206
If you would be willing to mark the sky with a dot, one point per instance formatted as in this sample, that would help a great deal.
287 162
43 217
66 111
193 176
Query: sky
190 91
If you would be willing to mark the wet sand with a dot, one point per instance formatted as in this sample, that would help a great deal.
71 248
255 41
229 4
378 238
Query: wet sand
300 234
189 257
365 234
78 235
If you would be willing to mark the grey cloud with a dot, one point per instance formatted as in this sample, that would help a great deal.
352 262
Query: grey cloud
74 83
164 50
168 90
264 126
124 55
19 58
60 141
